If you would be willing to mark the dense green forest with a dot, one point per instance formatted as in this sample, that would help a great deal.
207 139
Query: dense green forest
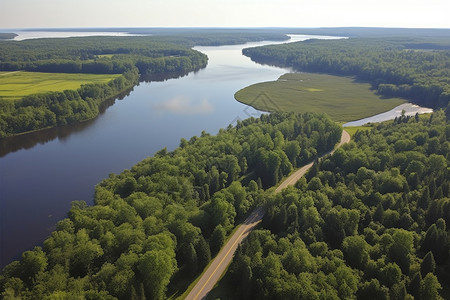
150 54
142 57
52 109
372 32
101 55
370 222
155 227
417 69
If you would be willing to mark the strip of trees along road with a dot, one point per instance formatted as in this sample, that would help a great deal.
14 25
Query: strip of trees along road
219 265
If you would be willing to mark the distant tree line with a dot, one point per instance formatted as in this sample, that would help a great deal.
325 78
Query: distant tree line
416 69
52 109
128 57
369 222
153 57
158 224
7 36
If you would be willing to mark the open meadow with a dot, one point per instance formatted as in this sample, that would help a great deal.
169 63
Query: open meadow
18 84
340 97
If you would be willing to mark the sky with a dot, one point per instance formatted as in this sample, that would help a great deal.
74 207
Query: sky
224 13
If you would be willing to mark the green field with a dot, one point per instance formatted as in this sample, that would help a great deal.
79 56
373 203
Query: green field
353 129
16 85
340 97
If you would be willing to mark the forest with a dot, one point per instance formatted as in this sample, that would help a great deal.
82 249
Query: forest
84 55
370 222
38 111
156 226
416 69
136 58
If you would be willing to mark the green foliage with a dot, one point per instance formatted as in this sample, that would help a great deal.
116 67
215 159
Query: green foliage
357 228
341 98
51 109
217 239
430 287
67 103
16 85
156 268
157 225
393 66
428 264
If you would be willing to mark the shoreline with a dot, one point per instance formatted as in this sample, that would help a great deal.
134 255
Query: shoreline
409 109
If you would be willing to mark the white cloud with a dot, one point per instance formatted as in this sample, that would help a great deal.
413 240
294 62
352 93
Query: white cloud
184 106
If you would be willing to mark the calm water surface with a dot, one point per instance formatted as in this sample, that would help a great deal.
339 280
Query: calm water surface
43 172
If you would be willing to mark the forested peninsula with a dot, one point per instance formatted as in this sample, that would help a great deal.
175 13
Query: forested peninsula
417 69
156 226
144 57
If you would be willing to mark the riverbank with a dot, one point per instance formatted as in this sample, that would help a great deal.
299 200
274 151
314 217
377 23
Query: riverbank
36 112
407 109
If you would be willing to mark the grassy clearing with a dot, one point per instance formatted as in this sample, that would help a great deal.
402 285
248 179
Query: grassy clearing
16 85
340 97
353 129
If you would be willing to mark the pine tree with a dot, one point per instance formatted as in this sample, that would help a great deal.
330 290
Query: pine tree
203 252
217 239
428 264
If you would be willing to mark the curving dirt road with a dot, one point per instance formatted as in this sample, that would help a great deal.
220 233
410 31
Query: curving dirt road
223 259
293 178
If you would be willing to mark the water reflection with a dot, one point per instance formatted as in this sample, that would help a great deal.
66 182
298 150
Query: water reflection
184 106
177 105
31 139
166 76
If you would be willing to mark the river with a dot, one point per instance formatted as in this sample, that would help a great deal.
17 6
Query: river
43 172
408 109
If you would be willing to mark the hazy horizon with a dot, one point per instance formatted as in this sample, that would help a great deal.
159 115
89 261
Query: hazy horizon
124 28
28 14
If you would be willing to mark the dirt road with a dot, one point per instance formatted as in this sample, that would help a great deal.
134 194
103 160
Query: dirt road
292 179
223 259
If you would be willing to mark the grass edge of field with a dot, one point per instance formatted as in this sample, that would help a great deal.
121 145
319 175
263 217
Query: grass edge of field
71 78
242 96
